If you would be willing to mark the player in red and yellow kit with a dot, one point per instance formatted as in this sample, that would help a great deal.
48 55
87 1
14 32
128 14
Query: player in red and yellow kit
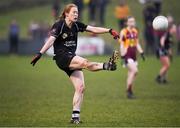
129 45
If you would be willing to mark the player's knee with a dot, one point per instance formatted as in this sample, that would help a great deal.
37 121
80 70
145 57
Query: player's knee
80 88
167 65
84 63
135 71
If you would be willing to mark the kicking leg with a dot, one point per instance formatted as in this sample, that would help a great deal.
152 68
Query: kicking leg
82 63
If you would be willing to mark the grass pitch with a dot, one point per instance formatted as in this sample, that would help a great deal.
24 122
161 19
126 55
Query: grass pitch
42 95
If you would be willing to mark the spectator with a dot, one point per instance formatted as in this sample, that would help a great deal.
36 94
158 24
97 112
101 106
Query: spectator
44 30
80 5
14 36
122 11
149 14
102 4
55 9
92 10
34 29
157 5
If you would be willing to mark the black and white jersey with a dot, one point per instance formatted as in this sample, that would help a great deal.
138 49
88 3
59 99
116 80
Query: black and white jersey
66 38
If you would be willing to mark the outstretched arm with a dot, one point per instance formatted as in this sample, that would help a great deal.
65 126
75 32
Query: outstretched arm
97 30
100 30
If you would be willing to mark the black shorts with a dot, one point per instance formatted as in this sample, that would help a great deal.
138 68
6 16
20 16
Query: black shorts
161 52
63 61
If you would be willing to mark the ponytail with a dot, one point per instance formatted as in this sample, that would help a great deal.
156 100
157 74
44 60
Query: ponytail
62 16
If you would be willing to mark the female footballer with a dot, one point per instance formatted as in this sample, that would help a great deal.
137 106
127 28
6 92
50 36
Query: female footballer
129 45
165 52
63 36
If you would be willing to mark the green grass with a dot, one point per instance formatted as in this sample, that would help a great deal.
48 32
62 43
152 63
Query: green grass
42 95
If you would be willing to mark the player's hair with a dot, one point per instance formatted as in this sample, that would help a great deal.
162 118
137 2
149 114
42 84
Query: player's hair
66 10
129 17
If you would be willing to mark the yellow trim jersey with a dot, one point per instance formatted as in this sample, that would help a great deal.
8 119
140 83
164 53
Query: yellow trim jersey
130 41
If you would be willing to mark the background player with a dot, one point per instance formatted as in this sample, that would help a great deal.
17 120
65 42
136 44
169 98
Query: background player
63 37
129 44
164 51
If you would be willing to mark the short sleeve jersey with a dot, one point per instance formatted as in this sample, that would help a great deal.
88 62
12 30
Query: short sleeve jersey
130 37
66 38
130 42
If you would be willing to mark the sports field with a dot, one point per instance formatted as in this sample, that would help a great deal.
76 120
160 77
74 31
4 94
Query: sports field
42 95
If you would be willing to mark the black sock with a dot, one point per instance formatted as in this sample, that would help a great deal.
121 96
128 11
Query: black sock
159 76
129 90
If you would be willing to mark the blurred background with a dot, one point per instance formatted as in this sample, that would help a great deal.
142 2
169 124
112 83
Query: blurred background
24 25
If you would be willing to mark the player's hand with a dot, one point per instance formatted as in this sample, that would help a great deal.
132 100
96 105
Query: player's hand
114 34
143 57
36 58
